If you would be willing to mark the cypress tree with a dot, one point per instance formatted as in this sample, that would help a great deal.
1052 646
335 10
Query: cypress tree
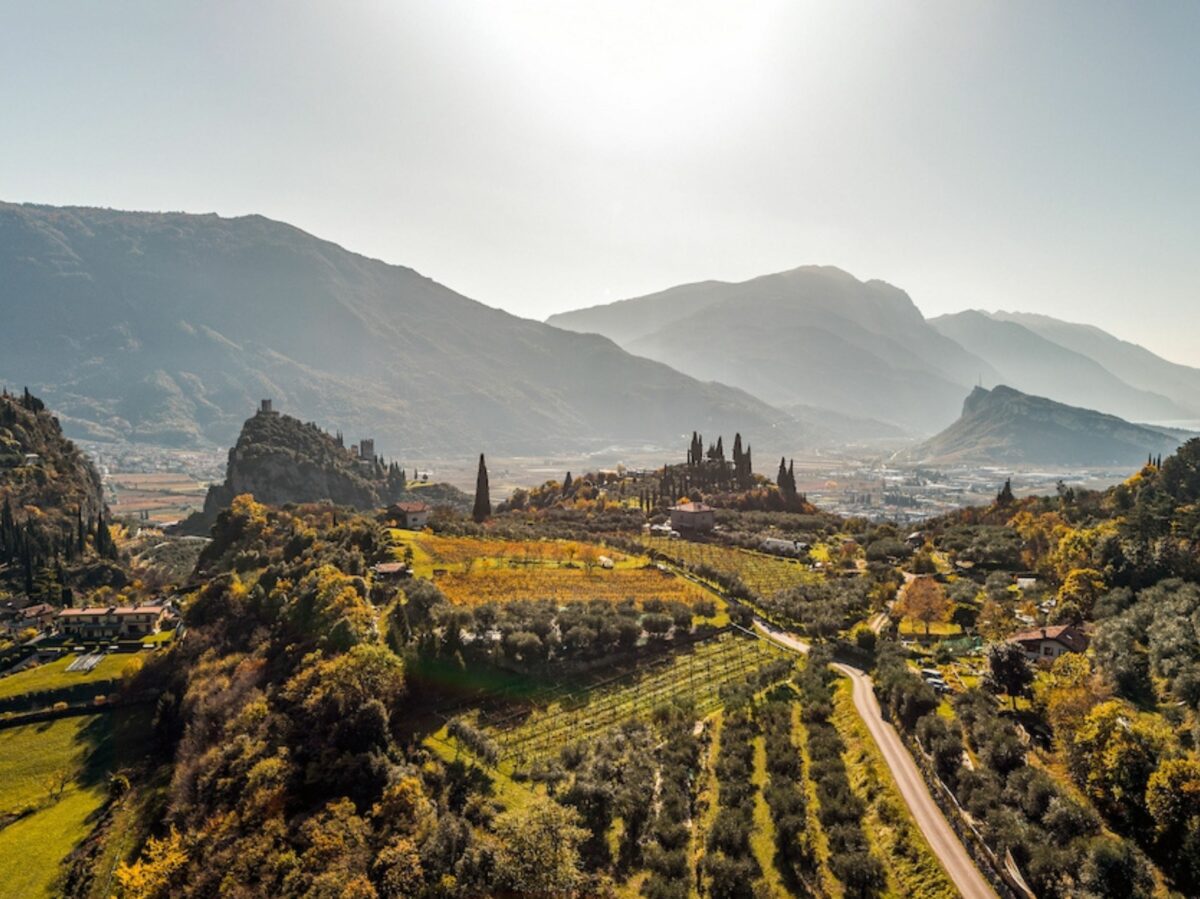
566 487
781 478
483 500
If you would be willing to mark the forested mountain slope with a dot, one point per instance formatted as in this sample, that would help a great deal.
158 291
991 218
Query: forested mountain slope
168 328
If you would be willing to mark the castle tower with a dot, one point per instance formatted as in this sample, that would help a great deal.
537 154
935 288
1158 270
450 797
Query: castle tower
265 408
366 449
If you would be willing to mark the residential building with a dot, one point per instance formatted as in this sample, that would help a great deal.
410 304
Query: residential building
391 570
1048 643
410 515
113 621
693 517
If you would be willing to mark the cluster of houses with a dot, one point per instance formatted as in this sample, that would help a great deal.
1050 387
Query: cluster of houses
99 622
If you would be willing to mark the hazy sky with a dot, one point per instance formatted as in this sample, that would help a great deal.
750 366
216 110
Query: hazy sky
540 156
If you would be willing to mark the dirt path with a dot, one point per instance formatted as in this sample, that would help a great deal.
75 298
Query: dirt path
945 843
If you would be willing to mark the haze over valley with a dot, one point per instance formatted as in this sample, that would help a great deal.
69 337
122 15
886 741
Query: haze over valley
635 450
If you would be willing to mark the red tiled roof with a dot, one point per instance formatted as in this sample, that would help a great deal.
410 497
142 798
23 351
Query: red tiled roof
390 567
411 507
1067 634
692 507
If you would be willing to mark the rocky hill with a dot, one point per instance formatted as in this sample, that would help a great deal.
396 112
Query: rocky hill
51 505
40 470
165 327
1005 426
815 336
279 459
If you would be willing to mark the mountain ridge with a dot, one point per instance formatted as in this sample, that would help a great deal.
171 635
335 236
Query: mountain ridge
785 336
1037 365
1005 426
165 327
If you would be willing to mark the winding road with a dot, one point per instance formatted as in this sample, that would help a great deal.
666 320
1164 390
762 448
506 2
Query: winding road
942 838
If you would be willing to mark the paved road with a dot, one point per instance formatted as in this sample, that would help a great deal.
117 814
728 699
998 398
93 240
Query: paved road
925 811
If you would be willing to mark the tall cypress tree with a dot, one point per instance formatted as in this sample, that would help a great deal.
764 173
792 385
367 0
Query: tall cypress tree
483 499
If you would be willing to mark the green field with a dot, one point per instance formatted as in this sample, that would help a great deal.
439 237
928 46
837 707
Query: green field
53 780
54 675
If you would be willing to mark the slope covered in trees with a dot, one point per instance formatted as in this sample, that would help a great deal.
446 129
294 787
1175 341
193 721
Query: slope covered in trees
164 328
51 503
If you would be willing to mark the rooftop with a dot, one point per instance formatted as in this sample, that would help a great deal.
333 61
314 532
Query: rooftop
112 610
411 507
1066 634
692 507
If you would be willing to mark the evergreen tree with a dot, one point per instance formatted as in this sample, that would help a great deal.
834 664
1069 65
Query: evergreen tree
567 484
483 501
1005 496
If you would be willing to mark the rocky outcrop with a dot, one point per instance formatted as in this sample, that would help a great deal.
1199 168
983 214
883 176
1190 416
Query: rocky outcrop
279 459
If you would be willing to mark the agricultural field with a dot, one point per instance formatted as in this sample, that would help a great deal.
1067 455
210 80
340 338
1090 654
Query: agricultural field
695 676
54 675
764 574
435 553
53 779
161 496
472 572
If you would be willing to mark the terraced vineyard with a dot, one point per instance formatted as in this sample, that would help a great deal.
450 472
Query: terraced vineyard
695 676
764 574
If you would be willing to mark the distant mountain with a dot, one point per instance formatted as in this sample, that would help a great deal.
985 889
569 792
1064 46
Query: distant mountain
1034 364
814 336
827 427
1005 426
279 459
168 328
1133 364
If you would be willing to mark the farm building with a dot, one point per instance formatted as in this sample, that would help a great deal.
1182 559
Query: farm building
36 616
392 570
113 621
694 517
413 515
1050 642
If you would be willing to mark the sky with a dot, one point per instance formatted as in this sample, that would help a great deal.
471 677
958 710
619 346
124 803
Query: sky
542 156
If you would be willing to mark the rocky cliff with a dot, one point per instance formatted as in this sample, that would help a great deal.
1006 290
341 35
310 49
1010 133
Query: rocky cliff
279 459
